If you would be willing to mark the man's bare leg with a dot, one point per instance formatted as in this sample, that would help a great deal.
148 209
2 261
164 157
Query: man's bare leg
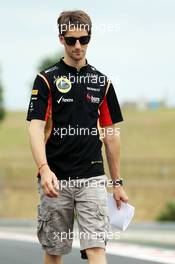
96 255
51 259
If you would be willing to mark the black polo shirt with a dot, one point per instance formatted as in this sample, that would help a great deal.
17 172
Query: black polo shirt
73 103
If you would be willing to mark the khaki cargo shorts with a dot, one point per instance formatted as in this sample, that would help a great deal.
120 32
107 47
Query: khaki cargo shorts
81 199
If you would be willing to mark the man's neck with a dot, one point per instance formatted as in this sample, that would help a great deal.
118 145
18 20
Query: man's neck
77 64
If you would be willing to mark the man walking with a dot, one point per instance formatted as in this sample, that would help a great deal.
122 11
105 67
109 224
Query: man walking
70 101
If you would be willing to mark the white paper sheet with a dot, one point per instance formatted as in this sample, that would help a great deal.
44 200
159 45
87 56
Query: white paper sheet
120 218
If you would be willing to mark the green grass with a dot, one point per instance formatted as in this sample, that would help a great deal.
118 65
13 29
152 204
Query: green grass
147 163
148 134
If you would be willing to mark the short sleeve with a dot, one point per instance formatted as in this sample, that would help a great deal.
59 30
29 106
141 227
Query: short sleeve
110 112
40 100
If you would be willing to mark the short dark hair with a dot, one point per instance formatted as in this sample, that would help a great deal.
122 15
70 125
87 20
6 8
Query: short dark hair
77 18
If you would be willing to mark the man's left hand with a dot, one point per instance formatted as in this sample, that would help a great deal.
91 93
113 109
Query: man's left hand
119 195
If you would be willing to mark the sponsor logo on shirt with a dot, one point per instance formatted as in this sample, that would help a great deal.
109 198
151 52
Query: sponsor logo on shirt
63 84
34 92
31 107
96 161
93 89
65 100
34 98
92 99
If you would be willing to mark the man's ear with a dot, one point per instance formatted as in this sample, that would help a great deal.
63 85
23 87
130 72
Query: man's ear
61 38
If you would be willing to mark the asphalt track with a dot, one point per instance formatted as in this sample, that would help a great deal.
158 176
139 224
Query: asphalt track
139 245
22 252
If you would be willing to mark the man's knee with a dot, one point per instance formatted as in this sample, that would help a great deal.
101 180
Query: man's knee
52 259
95 251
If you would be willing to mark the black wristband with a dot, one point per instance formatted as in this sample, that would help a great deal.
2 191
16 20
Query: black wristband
117 182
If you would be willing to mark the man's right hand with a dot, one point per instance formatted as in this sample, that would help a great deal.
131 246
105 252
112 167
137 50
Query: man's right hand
49 182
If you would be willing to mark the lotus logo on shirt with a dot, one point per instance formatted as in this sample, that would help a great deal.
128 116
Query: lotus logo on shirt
63 85
92 99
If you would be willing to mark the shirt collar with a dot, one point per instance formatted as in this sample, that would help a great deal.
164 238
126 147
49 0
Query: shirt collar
71 68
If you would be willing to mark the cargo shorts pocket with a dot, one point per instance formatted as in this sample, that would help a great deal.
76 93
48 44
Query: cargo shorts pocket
104 219
46 227
102 211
